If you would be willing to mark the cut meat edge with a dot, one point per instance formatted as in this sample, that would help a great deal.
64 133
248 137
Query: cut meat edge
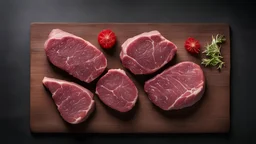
87 113
58 34
135 61
92 77
131 103
47 79
144 34
197 94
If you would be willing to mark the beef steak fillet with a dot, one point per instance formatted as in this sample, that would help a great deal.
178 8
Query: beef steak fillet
74 102
177 87
117 90
147 52
75 55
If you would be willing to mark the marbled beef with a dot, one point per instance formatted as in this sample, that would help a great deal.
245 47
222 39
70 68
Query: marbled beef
74 102
147 52
117 90
75 55
177 87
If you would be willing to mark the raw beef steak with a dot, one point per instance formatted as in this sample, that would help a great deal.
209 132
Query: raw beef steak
75 103
117 90
177 87
75 55
147 52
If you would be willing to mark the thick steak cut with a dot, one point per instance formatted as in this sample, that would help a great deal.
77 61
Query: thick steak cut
177 87
75 103
117 90
75 55
147 52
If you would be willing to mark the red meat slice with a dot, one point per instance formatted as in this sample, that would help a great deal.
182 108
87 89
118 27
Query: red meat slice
75 55
177 87
75 103
147 52
117 90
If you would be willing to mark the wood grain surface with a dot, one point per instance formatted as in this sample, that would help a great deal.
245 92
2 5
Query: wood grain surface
210 115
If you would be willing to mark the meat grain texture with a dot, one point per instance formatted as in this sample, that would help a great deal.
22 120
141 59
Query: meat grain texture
147 52
177 87
116 90
74 102
75 55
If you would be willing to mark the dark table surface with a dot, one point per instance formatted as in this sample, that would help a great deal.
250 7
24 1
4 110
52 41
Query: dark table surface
16 16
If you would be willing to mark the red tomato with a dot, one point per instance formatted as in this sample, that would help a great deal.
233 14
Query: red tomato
192 45
107 38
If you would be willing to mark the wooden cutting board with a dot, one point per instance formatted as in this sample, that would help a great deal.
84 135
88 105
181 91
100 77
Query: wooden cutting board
210 115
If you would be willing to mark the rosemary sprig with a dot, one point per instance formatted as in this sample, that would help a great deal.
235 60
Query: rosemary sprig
213 53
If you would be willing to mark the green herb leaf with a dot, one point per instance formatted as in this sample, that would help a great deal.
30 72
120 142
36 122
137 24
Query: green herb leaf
213 52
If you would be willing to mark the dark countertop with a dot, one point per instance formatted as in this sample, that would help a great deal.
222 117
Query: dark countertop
17 15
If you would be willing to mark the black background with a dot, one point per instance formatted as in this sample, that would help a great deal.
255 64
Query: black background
15 19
